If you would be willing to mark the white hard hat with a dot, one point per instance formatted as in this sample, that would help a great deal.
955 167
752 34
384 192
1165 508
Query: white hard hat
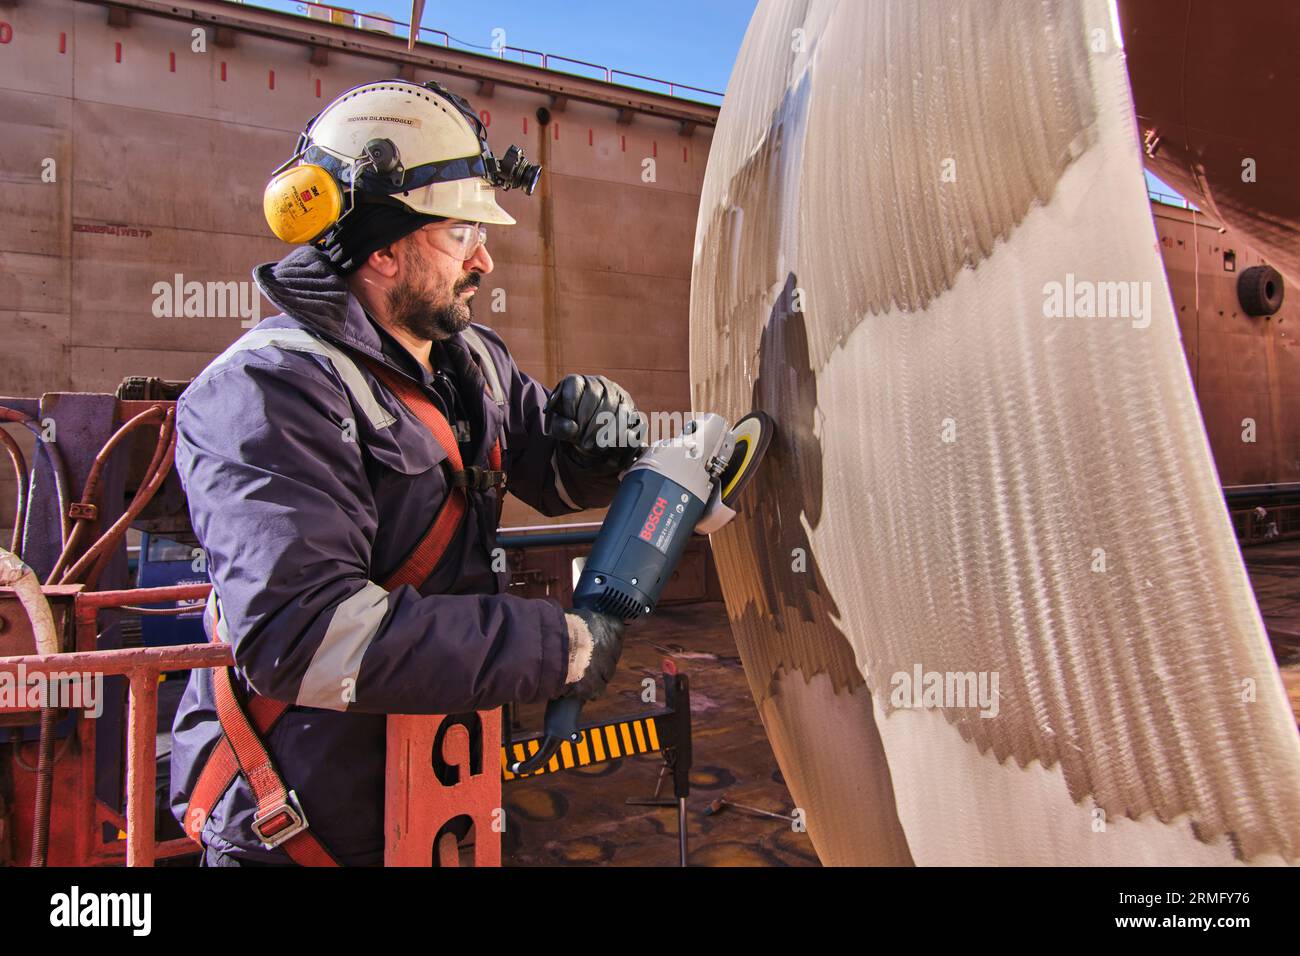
416 144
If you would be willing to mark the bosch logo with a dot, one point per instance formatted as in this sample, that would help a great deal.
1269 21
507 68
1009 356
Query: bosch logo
652 522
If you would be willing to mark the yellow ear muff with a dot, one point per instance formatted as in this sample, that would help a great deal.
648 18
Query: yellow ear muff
301 202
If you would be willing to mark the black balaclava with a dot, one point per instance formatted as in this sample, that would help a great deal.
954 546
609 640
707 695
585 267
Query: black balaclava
368 227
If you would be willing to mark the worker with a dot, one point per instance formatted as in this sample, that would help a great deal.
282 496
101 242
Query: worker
344 464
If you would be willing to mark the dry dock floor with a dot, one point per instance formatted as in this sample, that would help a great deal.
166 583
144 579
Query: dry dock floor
581 817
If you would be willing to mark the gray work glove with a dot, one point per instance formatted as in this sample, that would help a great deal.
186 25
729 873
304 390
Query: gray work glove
595 643
597 421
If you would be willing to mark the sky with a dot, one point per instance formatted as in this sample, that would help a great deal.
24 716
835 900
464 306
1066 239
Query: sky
693 42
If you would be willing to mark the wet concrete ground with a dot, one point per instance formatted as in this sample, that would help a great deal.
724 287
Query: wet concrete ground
581 817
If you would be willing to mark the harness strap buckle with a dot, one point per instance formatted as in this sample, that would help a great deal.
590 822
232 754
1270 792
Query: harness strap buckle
281 822
477 478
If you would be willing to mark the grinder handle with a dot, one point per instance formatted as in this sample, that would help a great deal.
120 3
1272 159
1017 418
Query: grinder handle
561 724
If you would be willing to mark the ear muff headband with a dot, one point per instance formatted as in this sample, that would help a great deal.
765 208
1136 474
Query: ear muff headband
303 202
402 179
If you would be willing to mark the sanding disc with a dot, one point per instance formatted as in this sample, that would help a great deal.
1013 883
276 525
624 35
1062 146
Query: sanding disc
752 435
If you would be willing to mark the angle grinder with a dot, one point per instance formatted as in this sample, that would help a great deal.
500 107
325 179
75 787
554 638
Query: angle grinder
677 486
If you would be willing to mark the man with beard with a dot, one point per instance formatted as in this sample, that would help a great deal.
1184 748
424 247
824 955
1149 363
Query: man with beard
344 464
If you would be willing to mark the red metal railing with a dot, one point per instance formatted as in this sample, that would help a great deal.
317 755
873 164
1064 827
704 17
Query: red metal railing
1165 199
350 18
672 87
142 667
1279 521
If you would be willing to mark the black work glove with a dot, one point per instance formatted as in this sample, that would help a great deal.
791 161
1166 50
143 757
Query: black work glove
606 646
597 421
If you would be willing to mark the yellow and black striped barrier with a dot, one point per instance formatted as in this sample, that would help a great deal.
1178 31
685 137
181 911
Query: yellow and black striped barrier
666 731
612 741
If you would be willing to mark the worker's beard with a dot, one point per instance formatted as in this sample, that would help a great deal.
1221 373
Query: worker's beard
418 311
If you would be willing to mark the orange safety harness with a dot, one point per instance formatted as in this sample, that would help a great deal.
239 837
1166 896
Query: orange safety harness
280 821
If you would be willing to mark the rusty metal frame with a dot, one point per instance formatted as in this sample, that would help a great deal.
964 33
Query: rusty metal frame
142 667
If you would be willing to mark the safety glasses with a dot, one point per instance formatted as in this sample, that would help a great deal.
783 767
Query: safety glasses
460 240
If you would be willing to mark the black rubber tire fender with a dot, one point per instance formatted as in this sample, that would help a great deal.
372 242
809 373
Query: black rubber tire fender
1260 290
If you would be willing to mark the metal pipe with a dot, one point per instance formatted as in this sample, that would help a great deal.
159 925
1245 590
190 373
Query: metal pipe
569 59
17 575
162 462
141 768
27 587
56 466
101 457
681 829
88 602
20 475
97 556
90 491
1272 490
158 611
125 660
523 542
446 37
567 526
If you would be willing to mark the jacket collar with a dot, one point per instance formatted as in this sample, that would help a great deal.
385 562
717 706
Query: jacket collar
306 286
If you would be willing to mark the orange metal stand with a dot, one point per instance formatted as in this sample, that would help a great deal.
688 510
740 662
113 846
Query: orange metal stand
442 799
